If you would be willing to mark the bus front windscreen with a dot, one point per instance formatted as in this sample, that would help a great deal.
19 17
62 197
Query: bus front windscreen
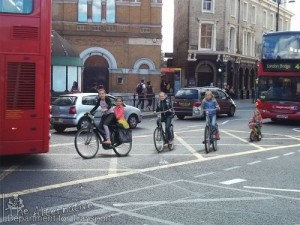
281 46
279 88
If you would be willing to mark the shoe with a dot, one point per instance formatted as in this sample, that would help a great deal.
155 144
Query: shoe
217 136
107 142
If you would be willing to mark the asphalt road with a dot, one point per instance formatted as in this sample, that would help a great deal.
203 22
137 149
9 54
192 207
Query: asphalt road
242 183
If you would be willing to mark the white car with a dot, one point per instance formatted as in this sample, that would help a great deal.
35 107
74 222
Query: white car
68 111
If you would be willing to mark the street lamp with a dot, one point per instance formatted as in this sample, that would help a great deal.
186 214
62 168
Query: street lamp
279 2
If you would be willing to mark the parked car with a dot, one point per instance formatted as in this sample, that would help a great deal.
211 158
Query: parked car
68 111
187 102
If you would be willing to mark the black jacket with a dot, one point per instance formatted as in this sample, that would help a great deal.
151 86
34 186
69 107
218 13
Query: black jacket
165 105
108 102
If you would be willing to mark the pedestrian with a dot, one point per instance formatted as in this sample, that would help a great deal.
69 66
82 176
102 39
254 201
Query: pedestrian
149 94
75 88
163 86
231 92
140 90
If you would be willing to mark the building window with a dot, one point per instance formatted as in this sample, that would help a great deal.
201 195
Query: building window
245 9
206 36
265 19
82 11
207 5
232 35
287 26
97 11
253 14
280 24
272 20
233 8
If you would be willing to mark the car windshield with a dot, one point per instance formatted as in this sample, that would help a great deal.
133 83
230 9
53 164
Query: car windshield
279 88
65 101
187 94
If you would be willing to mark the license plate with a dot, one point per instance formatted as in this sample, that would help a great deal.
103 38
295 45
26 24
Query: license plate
184 103
282 116
57 120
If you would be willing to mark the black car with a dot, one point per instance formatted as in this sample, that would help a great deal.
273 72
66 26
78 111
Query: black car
188 101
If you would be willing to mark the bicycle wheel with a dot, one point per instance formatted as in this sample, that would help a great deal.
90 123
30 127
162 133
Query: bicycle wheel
158 138
214 141
121 149
252 136
86 143
207 139
171 146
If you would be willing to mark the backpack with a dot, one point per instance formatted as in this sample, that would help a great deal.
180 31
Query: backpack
139 88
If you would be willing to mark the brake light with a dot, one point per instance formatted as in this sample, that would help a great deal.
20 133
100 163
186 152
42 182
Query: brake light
197 104
72 110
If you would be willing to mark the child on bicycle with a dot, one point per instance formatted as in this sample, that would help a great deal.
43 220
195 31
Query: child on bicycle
210 104
257 121
119 113
165 105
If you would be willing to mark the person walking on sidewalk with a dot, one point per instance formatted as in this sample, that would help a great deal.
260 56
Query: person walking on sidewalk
140 90
149 94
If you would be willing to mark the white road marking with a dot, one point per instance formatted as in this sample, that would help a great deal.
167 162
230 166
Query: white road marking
190 148
241 139
148 169
274 157
182 201
204 174
290 153
232 168
255 162
133 214
241 190
113 165
225 122
10 170
273 189
233 181
296 129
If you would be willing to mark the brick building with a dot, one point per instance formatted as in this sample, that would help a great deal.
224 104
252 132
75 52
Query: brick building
225 34
119 41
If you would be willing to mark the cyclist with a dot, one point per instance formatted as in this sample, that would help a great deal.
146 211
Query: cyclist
108 115
164 105
257 121
210 104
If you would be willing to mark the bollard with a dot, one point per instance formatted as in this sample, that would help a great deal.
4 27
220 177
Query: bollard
247 94
134 96
241 94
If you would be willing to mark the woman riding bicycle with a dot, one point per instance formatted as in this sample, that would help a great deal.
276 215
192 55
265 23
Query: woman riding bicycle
108 116
164 105
210 104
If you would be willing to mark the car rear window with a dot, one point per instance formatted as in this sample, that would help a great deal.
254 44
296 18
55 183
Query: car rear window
187 94
65 101
90 100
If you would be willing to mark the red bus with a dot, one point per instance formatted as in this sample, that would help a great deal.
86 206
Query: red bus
279 76
25 51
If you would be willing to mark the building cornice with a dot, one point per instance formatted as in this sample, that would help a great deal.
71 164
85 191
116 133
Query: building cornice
106 24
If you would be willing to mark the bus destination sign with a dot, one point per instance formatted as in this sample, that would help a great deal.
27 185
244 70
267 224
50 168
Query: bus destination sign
281 67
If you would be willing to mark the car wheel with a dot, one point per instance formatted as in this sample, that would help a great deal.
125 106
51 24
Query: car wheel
83 123
231 111
132 121
180 117
59 128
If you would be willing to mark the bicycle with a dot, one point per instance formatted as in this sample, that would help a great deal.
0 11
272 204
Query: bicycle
88 139
160 137
210 134
254 135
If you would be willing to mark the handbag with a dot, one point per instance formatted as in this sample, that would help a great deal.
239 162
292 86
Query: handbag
125 135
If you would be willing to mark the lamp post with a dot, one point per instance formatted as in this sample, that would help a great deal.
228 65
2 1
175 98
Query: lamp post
279 2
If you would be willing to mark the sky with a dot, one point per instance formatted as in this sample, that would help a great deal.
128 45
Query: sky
168 14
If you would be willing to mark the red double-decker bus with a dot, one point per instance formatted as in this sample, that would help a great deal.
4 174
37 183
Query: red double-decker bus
279 76
25 48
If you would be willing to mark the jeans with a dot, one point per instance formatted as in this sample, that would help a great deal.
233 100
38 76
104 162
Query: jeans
141 98
168 122
213 122
105 121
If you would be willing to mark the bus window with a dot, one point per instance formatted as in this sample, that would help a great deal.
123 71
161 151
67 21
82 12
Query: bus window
16 6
